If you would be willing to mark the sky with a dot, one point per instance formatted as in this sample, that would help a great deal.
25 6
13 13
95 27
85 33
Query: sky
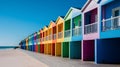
20 18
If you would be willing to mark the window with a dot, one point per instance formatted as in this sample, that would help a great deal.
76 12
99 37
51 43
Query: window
77 21
116 14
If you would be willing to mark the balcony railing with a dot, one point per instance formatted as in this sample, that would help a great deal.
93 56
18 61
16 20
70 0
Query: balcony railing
30 43
50 37
47 38
67 33
90 28
77 31
60 35
54 36
41 39
44 39
112 23
37 41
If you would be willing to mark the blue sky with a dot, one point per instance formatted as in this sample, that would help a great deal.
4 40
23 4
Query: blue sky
20 18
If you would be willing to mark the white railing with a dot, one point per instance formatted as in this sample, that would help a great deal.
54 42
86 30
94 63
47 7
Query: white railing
90 28
41 39
60 35
67 33
46 38
54 36
37 41
50 37
111 23
77 31
30 42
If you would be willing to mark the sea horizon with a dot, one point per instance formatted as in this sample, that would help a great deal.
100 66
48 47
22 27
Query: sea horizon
7 47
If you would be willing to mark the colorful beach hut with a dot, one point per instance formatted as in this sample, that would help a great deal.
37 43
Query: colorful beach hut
51 44
91 29
108 46
45 33
76 33
59 35
41 41
38 41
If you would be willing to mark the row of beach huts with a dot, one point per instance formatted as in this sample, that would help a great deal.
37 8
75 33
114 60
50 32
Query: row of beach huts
91 33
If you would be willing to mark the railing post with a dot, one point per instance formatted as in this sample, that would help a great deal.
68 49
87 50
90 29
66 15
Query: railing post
103 21
112 27
91 29
76 31
118 20
60 35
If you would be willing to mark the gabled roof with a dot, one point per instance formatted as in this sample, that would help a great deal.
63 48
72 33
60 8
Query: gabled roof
45 27
30 36
27 39
103 2
76 8
69 12
41 30
62 16
35 33
51 22
38 32
59 18
86 4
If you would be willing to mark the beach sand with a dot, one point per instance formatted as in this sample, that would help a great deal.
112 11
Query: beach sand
24 58
16 58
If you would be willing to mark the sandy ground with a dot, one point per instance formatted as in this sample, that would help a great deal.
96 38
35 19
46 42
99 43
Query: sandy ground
16 58
23 58
53 61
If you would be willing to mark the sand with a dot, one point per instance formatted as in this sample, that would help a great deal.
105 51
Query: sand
24 58
16 58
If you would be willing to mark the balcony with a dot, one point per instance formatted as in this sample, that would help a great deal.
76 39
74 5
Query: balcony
41 39
67 33
44 39
47 38
112 23
50 37
37 41
60 35
54 36
77 31
90 28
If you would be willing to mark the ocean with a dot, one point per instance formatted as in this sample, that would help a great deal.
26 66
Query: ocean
7 47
